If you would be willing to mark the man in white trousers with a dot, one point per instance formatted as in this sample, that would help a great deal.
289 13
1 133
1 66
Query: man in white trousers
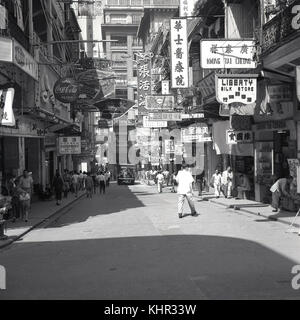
185 182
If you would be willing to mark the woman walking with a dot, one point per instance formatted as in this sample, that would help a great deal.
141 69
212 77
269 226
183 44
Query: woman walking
58 185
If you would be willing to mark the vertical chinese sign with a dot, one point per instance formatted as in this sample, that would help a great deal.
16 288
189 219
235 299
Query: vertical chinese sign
179 54
187 8
144 79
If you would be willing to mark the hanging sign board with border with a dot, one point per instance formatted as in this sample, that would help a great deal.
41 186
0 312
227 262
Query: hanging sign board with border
236 88
179 54
69 145
147 123
228 54
160 103
298 82
167 116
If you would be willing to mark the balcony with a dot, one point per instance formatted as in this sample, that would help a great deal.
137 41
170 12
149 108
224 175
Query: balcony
279 30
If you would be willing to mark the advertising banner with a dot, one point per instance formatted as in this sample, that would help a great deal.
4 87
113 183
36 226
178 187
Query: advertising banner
167 116
228 54
187 8
69 145
147 123
160 103
165 87
179 54
196 133
7 117
236 88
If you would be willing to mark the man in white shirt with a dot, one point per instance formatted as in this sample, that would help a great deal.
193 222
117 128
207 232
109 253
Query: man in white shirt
227 181
160 180
75 179
185 182
102 181
279 189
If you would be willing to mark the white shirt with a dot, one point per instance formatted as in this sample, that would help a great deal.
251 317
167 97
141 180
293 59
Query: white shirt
184 180
217 178
225 177
279 185
75 178
160 177
100 177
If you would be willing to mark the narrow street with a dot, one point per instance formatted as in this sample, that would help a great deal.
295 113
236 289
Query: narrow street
130 244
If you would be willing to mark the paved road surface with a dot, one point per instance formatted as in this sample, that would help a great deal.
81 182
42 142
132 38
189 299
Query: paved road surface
130 244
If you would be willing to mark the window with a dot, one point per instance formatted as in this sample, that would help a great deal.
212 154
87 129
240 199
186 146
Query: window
118 18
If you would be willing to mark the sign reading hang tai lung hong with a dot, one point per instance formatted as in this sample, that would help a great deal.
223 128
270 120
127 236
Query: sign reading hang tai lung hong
228 54
236 88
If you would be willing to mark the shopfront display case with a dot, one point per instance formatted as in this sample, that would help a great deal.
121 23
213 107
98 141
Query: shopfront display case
264 170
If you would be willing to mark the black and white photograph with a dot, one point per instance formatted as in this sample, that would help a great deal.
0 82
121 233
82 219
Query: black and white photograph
149 153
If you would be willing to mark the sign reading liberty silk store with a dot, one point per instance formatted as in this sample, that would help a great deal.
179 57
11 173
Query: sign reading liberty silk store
228 54
236 88
179 54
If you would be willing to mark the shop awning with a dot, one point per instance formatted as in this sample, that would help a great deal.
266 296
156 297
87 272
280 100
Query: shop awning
114 105
65 128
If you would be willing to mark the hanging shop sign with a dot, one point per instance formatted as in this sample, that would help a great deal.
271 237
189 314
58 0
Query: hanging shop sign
296 15
143 77
193 116
228 54
236 88
6 52
25 61
298 82
179 54
165 87
66 90
147 123
187 8
198 133
69 145
167 116
178 149
160 103
7 117
235 137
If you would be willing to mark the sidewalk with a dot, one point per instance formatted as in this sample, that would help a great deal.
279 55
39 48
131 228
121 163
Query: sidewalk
40 212
256 208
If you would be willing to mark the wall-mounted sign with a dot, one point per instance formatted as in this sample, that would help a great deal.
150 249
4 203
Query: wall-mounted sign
66 90
7 117
147 123
160 103
167 116
169 146
179 54
165 87
187 8
236 88
69 145
296 16
6 52
235 137
298 82
193 116
25 61
228 54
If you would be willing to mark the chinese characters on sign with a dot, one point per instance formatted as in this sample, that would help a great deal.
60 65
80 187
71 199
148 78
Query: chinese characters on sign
167 116
165 87
187 8
147 123
144 77
235 137
179 53
69 145
196 134
236 88
228 54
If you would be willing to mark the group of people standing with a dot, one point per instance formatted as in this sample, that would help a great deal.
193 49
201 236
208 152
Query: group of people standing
224 183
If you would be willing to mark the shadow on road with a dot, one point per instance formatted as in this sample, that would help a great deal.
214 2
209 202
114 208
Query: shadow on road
116 199
158 267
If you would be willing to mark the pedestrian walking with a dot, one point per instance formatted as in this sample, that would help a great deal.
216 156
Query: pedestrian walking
80 180
67 183
15 198
89 185
101 180
58 185
75 183
280 188
216 182
160 180
185 190
227 182
107 177
173 182
26 183
94 177
24 198
199 181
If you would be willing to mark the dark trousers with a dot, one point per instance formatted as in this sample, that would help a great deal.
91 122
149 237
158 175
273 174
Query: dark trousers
102 187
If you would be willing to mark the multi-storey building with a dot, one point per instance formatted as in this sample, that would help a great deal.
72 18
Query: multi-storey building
121 21
32 59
